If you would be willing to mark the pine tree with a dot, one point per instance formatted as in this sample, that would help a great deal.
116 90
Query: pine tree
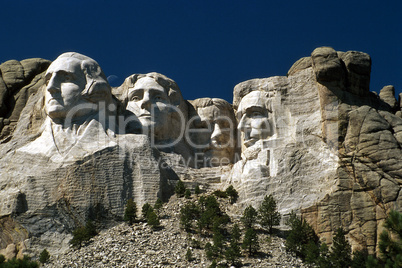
188 213
83 234
146 208
153 220
158 205
180 189
341 250
250 242
218 239
187 194
197 190
232 194
189 255
233 253
44 256
391 248
249 217
130 211
268 215
300 234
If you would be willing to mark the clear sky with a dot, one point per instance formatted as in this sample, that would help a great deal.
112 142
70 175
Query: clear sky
206 46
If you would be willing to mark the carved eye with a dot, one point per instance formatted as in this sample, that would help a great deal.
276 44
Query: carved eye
256 114
135 98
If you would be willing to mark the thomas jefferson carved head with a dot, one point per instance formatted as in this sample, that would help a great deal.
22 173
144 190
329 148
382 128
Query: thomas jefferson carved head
254 115
75 84
157 102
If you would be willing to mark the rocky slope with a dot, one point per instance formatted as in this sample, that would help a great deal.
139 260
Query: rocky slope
140 246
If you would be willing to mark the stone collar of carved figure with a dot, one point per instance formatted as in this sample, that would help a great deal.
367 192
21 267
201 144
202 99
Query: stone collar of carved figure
254 118
150 103
65 81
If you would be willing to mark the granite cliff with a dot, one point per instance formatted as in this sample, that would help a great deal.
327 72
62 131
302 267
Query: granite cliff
317 139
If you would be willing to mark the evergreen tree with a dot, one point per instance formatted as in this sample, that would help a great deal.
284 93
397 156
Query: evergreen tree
218 239
359 258
146 208
268 215
249 217
189 255
153 220
83 234
340 250
130 211
197 190
300 234
158 205
187 194
324 259
210 211
250 242
312 252
180 189
232 194
2 258
233 253
189 213
209 251
390 243
44 256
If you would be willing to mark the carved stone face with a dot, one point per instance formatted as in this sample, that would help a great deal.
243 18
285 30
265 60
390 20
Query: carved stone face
253 118
218 134
150 103
65 82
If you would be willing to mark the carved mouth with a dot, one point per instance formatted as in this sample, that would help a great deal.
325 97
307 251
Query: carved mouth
250 142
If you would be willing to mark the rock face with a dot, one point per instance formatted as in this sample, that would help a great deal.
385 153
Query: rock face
317 139
334 153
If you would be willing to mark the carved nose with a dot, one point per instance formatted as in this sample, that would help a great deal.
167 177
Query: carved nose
52 85
243 123
146 102
217 132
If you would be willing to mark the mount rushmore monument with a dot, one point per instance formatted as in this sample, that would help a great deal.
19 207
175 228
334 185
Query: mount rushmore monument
73 148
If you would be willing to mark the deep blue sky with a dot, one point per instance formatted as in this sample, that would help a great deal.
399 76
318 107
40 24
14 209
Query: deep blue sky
206 46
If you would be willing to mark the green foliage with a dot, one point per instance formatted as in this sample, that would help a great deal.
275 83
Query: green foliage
299 236
130 211
158 205
83 234
18 263
218 240
233 253
189 255
187 194
210 212
249 217
268 214
180 189
146 209
2 259
44 256
232 194
359 258
188 213
197 190
390 243
250 242
341 250
219 193
312 252
209 252
153 220
213 264
324 259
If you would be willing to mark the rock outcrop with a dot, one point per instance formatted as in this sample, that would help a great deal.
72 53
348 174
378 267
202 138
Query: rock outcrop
317 139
